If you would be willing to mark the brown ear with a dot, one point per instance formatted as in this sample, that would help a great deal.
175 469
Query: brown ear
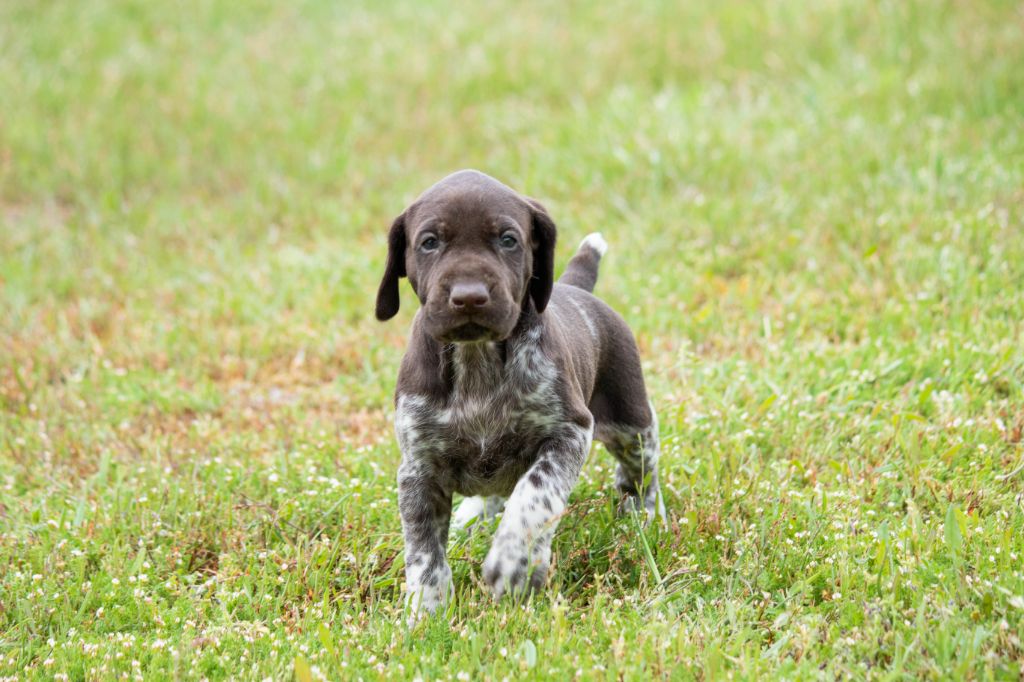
387 294
543 238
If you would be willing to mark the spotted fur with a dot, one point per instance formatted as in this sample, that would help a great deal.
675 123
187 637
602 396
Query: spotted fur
500 403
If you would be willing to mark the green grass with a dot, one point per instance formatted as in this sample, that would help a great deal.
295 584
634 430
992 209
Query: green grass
816 218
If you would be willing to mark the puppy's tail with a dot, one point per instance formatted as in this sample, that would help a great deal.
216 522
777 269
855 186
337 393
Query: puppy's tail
582 269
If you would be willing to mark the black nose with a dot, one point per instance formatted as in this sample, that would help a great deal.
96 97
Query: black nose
468 296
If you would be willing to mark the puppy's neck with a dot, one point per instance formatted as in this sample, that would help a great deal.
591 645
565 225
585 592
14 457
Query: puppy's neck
478 369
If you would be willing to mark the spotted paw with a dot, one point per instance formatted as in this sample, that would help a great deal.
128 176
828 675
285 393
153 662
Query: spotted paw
428 594
511 569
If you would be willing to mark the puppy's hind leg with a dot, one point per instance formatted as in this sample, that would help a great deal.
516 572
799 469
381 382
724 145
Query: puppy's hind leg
637 449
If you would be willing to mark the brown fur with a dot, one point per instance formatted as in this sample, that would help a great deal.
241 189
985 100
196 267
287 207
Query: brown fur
500 391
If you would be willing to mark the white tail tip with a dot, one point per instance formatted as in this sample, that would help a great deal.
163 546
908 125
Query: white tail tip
595 241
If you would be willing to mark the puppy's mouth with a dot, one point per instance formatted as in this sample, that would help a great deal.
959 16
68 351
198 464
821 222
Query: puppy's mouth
467 333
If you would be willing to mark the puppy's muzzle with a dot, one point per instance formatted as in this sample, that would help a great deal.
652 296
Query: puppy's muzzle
469 297
470 313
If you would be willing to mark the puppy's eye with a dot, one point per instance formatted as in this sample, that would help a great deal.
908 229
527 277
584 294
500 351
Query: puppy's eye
430 243
508 241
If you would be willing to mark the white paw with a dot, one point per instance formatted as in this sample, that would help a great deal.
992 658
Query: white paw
476 508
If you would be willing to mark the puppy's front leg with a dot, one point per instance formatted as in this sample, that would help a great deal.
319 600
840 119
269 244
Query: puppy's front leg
426 510
520 557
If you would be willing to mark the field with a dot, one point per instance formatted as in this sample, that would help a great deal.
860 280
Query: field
816 219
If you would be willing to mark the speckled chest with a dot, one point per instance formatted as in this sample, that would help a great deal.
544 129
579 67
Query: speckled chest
484 437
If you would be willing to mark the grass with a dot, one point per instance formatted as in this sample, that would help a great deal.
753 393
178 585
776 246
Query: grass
816 220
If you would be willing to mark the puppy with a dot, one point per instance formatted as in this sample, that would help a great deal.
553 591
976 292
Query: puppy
507 378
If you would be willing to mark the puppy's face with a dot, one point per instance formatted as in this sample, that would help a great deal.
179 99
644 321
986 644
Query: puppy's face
476 253
468 259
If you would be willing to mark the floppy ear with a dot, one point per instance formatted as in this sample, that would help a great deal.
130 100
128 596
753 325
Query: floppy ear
387 294
543 238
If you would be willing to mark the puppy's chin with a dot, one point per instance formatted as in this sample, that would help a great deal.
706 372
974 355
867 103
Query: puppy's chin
470 331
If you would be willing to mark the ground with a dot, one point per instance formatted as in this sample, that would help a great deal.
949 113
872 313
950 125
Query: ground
815 215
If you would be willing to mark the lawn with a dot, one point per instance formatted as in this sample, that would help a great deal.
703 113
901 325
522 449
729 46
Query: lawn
816 220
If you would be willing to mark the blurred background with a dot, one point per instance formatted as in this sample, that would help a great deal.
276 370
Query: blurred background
814 212
205 185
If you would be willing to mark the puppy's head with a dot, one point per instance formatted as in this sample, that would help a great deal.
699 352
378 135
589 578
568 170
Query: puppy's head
476 253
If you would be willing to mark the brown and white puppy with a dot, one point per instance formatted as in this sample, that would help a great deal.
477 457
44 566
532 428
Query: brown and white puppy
507 378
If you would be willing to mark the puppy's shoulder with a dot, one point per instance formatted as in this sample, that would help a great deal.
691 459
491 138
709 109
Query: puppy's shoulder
423 371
